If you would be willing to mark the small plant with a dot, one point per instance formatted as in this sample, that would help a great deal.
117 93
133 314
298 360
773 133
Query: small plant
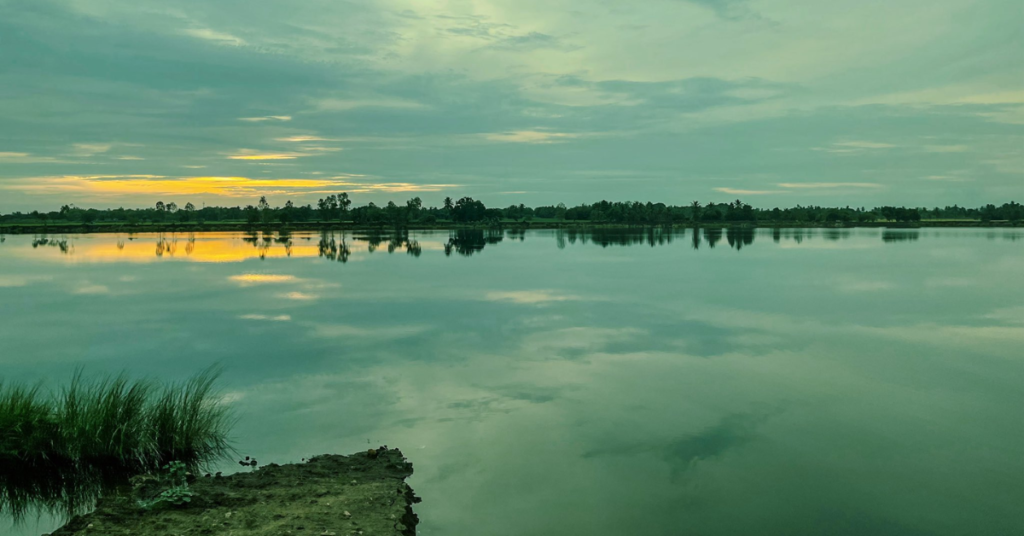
176 481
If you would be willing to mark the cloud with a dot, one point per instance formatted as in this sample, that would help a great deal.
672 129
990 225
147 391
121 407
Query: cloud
728 9
249 154
90 149
344 105
945 148
299 296
529 296
266 118
852 147
215 36
529 136
346 331
299 139
129 158
739 191
828 185
277 318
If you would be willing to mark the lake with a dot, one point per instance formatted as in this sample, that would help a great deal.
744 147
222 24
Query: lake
724 382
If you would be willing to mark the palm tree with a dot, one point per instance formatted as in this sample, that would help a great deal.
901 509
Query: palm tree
695 210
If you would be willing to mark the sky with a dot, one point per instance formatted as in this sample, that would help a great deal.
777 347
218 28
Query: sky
107 103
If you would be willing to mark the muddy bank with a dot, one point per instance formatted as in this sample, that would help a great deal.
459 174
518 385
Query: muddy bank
329 495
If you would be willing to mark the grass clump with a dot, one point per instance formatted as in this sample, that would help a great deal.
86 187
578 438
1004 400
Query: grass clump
116 424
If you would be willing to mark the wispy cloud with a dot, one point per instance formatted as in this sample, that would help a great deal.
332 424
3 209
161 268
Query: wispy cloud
828 185
740 191
530 136
529 296
271 318
848 147
300 139
90 149
266 118
250 154
344 105
297 296
215 36
945 148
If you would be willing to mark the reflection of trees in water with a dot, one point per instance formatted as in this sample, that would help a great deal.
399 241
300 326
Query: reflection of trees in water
331 249
163 245
739 237
466 242
516 234
190 244
62 244
713 236
618 236
835 234
59 491
893 235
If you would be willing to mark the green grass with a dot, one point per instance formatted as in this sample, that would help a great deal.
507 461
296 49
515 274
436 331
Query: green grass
114 424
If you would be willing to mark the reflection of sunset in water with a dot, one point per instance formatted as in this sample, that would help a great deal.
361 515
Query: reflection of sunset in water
204 247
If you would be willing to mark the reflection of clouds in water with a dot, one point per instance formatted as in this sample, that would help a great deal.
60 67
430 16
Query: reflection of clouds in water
274 318
256 279
943 282
576 342
332 331
855 284
729 433
8 281
299 296
1007 315
92 289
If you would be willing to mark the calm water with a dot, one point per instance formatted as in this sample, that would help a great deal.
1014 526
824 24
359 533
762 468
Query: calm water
811 382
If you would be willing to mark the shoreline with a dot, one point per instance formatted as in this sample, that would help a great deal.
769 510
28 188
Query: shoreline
327 495
32 228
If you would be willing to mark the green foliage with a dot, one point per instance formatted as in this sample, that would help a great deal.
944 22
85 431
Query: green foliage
134 426
177 493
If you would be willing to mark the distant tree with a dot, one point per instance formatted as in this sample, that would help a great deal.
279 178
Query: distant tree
695 211
343 202
172 207
252 215
413 207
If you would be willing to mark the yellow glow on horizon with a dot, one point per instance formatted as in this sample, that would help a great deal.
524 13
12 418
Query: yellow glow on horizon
268 156
156 185
262 278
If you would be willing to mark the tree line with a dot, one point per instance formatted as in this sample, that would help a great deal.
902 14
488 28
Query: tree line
339 209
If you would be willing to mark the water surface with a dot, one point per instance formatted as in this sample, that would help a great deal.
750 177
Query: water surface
617 382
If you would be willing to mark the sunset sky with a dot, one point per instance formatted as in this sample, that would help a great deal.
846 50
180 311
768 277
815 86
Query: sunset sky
111 103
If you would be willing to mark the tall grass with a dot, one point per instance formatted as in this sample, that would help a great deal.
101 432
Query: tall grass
114 424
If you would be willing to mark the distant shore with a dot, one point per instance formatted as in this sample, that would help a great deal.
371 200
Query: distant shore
117 227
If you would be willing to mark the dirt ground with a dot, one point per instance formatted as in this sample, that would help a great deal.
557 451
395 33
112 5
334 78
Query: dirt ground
329 495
